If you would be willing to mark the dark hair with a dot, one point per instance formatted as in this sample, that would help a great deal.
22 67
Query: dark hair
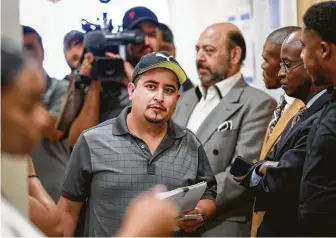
167 34
278 36
12 61
237 39
29 30
321 18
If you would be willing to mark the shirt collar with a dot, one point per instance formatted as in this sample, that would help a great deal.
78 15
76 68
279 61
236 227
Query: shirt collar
313 99
289 100
120 126
223 86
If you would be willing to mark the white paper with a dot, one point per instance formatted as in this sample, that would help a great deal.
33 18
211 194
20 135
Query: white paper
185 197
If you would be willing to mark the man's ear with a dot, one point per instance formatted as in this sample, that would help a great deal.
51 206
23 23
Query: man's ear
326 50
178 97
131 88
236 53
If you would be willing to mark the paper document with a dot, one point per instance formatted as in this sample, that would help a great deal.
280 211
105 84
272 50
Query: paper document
185 197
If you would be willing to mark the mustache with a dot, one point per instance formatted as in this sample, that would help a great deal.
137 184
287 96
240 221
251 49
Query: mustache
202 66
75 57
157 105
145 48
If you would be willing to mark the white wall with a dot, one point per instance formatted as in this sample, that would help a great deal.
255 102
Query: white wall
190 17
10 20
187 18
54 20
264 24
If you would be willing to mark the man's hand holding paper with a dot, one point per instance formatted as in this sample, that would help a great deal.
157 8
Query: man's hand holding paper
191 201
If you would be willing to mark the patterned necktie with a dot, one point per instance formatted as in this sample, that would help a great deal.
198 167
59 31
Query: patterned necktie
277 113
298 115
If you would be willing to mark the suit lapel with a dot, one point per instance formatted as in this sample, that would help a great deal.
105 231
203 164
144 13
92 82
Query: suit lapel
280 126
223 111
265 148
315 107
188 106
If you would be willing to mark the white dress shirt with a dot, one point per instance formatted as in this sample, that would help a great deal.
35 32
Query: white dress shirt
209 100
289 101
255 178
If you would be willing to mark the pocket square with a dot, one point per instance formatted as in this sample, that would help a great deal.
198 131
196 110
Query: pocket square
225 126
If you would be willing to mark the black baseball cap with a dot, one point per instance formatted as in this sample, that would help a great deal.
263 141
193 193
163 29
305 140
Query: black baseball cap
137 14
73 35
167 34
159 60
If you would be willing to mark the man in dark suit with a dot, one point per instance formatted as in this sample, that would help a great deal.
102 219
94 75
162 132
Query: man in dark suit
229 118
317 209
276 180
287 106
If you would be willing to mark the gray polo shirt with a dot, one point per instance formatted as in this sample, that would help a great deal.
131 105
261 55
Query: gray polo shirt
51 157
109 167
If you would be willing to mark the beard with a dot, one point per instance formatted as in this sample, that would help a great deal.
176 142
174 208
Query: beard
71 66
218 74
154 121
134 59
214 76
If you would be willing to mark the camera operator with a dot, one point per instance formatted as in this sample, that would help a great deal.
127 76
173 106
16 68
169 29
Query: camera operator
106 100
113 96
103 101
73 49
146 20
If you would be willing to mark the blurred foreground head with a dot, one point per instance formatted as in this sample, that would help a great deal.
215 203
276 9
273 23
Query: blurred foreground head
23 118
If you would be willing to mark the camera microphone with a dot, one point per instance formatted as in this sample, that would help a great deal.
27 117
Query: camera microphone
94 41
135 36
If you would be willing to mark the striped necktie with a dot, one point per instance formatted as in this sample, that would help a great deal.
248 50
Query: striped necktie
277 113
298 115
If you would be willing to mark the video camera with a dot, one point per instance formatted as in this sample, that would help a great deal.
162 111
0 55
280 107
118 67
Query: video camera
99 40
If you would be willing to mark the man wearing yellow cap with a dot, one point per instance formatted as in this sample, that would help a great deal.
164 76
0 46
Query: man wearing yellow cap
115 161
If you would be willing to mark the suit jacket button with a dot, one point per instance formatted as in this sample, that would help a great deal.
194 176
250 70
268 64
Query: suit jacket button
215 152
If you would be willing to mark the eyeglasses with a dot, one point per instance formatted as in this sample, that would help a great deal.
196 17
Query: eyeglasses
289 66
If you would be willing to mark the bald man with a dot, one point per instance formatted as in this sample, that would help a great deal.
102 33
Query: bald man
287 106
277 191
229 118
271 68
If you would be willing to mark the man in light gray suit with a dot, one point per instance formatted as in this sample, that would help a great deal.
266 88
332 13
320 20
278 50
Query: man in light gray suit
229 118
